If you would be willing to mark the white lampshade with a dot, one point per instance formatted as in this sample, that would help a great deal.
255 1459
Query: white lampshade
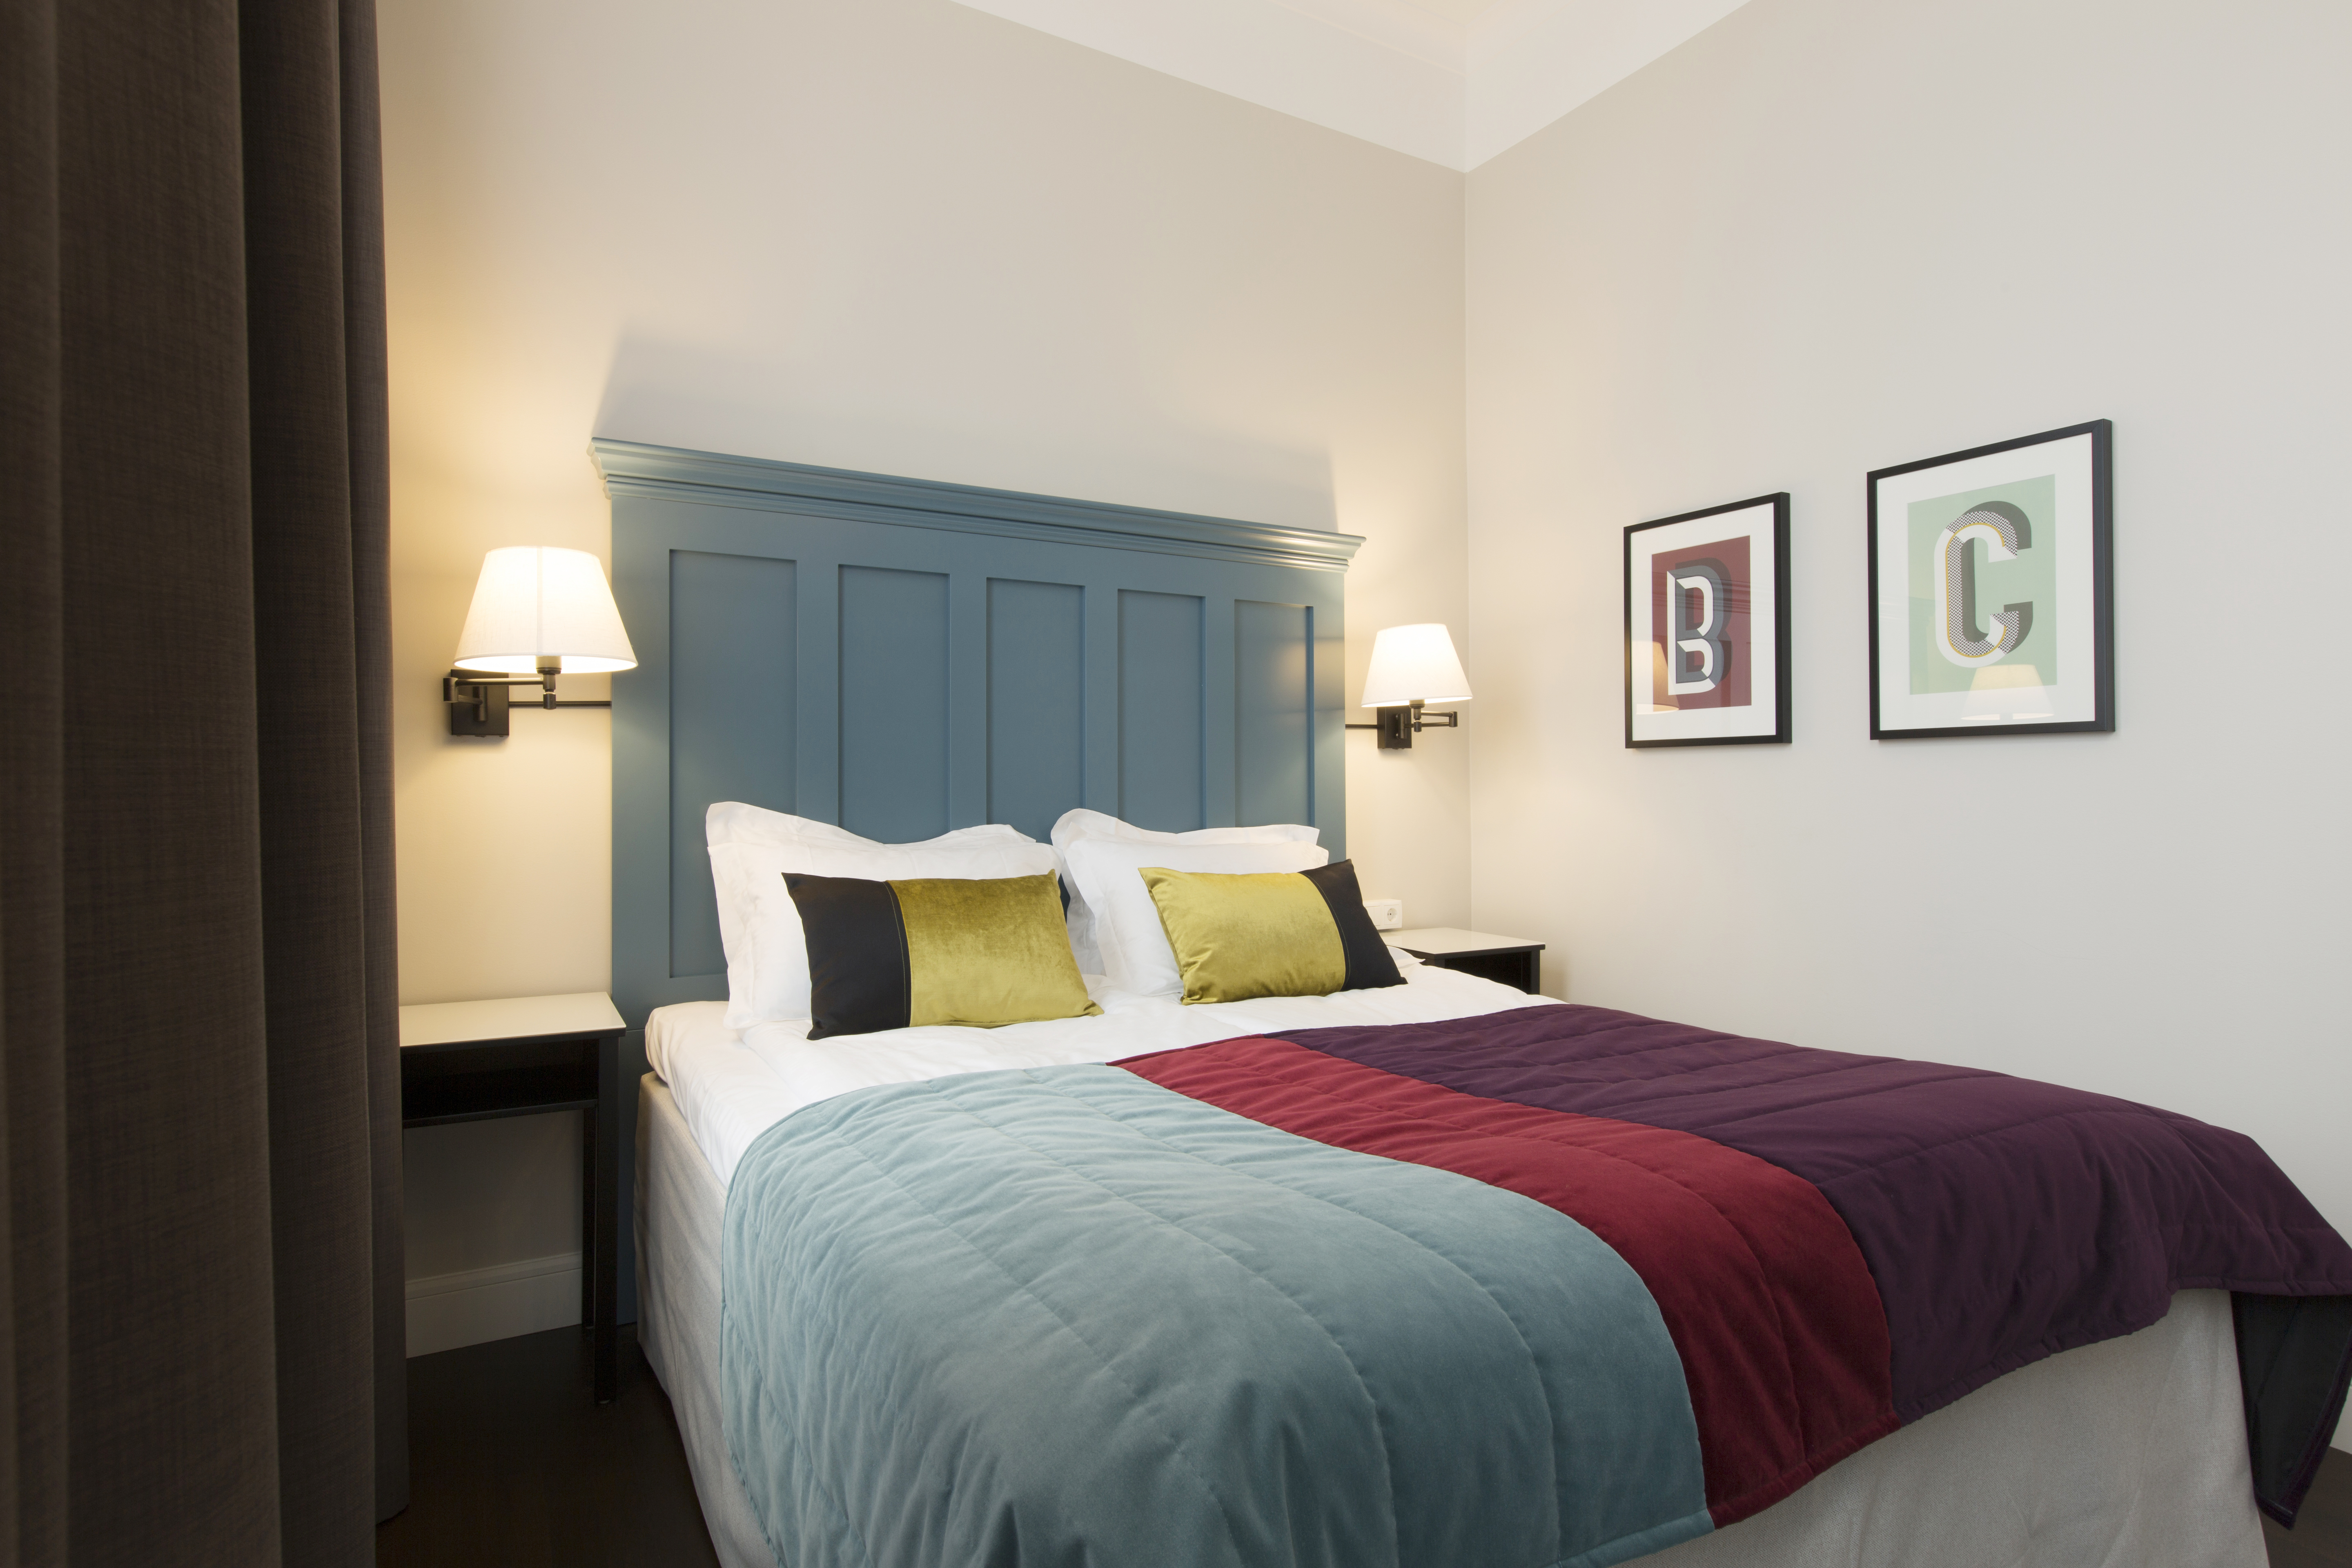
535 601
1414 664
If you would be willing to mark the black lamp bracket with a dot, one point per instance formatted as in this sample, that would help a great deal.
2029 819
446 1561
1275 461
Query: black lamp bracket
1398 724
478 704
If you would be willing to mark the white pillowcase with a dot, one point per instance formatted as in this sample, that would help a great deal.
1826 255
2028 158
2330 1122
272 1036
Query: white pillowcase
732 822
1083 823
1107 872
759 925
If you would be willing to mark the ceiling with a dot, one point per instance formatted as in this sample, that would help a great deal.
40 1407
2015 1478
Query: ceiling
1453 81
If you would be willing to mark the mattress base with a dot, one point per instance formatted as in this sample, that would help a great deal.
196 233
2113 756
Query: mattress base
2128 1454
681 1204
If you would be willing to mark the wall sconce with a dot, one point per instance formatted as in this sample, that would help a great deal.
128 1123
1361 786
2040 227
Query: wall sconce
1411 666
538 612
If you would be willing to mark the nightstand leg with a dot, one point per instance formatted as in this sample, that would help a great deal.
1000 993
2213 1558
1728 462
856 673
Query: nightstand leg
588 1219
608 1216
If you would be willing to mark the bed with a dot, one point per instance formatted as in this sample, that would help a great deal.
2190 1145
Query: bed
2128 1451
903 657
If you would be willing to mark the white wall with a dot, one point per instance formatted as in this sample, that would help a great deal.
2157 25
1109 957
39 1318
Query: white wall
1829 235
493 1230
900 235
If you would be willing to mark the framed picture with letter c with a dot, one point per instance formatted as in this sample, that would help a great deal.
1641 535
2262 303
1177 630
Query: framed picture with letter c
1991 589
1707 626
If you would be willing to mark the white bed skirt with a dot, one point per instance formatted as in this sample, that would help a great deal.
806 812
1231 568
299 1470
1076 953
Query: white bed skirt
2130 1453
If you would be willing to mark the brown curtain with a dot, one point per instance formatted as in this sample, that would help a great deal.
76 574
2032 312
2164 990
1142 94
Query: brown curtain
201 1312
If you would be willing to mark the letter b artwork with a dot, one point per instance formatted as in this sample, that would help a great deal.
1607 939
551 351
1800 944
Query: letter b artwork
1698 651
1707 626
1702 635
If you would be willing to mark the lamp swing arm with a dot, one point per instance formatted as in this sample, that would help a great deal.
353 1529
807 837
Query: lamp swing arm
1399 723
454 689
468 686
478 705
1421 719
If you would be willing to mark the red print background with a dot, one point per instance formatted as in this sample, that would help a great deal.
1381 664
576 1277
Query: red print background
1729 557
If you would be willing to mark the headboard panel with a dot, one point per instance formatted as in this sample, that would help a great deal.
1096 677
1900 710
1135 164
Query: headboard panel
904 658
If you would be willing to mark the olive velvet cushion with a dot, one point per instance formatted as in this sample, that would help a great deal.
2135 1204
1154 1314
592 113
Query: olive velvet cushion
1269 934
935 950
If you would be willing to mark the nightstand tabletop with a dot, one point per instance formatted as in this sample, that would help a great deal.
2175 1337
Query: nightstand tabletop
1450 942
508 1018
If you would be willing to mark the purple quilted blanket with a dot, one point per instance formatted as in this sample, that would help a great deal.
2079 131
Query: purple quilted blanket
2003 1219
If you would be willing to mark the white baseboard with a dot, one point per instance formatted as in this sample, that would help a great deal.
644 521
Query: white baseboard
446 1310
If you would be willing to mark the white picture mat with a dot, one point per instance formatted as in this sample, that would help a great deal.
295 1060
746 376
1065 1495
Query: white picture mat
1762 716
2075 698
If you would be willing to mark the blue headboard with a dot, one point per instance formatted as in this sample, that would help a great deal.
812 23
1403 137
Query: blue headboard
904 658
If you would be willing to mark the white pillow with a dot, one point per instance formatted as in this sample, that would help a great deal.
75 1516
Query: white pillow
732 822
735 822
759 925
1107 871
1081 823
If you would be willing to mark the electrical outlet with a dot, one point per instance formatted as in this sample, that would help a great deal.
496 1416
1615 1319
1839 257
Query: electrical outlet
1387 914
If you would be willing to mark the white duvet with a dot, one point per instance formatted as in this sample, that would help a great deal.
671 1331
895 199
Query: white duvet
732 1087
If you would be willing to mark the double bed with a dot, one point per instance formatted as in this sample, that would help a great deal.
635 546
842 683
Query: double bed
897 657
2132 1450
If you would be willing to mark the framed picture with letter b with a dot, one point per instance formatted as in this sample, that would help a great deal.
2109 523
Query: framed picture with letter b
1707 626
1991 589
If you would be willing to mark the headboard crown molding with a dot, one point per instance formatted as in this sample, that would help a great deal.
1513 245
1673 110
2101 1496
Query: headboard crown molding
764 484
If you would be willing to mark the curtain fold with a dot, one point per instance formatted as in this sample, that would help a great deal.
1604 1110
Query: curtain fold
200 1336
367 409
32 801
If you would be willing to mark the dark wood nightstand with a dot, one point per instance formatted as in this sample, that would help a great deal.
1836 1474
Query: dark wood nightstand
1510 960
526 1055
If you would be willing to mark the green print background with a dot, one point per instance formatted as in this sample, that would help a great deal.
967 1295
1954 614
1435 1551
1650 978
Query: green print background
2032 577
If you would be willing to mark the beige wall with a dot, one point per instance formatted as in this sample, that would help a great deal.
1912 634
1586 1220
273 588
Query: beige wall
1829 235
900 235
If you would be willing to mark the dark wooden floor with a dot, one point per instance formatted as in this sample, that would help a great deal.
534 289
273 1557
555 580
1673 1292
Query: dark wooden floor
2322 1536
511 1465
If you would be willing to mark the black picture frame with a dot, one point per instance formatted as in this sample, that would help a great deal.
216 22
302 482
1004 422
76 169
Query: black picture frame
2096 600
1780 731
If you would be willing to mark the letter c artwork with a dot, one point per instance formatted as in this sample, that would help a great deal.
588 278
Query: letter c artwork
2003 531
